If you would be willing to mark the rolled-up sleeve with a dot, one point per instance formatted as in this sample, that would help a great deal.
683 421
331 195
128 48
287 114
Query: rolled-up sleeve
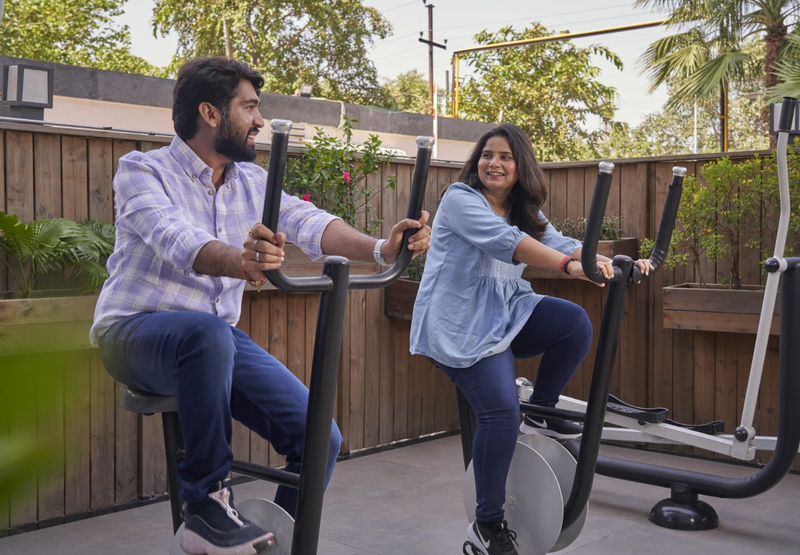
556 240
144 209
303 223
468 215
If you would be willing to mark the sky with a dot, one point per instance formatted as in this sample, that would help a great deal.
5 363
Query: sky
459 20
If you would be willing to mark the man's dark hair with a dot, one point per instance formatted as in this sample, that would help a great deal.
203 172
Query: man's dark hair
529 192
207 79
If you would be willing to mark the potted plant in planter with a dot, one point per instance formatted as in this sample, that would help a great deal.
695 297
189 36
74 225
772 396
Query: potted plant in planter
732 208
611 243
50 320
401 295
332 173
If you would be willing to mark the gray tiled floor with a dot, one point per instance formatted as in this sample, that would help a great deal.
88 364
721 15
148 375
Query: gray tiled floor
408 501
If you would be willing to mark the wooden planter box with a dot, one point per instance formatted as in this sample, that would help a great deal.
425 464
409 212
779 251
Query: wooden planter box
629 246
298 264
400 297
716 308
45 324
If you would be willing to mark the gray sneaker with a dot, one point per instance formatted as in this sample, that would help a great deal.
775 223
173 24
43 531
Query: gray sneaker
215 527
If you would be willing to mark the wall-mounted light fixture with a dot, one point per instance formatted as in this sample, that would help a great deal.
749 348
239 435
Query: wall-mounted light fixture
27 90
306 90
775 117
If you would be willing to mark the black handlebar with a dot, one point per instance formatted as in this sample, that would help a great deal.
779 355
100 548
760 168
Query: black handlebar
272 203
595 221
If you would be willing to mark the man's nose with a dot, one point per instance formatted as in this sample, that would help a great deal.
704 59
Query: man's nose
258 121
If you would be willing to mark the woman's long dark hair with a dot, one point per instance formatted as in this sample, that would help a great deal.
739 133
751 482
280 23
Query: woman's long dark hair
529 192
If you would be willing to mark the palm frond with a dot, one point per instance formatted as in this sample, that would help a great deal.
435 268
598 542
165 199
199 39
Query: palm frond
725 68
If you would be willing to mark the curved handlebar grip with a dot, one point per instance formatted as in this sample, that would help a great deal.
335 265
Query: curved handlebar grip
418 185
272 206
594 223
667 224
788 107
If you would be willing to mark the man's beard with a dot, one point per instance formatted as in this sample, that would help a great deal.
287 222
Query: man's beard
232 145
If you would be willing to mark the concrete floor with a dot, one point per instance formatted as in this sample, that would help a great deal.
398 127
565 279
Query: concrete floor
409 501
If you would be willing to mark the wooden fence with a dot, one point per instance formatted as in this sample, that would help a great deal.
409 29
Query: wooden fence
109 457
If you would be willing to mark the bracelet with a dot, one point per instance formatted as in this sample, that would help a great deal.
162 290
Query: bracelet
565 263
257 284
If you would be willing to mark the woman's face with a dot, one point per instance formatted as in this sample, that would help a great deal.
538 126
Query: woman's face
497 168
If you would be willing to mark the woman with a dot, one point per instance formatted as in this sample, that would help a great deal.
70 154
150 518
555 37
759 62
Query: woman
488 227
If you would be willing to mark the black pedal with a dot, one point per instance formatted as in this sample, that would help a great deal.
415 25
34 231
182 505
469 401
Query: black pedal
651 416
711 428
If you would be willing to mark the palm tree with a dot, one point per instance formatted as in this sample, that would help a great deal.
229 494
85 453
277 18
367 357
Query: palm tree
709 53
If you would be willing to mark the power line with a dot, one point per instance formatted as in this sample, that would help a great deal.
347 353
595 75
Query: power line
396 53
400 6
393 40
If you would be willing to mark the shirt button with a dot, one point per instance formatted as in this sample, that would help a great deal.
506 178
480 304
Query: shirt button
217 300
211 191
220 230
194 176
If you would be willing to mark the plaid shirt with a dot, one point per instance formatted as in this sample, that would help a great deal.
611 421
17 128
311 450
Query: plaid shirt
167 208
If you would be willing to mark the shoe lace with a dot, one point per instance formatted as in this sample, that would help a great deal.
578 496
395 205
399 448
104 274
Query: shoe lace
506 538
223 498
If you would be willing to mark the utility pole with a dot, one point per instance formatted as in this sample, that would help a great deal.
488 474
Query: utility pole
431 44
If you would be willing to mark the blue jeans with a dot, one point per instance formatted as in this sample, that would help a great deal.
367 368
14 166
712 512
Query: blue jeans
559 329
217 373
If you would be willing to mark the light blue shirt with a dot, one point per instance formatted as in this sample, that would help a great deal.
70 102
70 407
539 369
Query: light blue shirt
472 301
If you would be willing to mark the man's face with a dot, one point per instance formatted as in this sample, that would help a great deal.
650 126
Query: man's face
240 123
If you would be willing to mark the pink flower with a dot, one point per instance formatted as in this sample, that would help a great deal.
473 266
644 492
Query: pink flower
306 198
346 177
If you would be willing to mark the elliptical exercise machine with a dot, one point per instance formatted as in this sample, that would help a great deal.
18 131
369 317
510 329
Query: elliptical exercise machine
299 536
547 490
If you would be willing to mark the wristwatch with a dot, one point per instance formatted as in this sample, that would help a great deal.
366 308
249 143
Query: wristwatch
377 253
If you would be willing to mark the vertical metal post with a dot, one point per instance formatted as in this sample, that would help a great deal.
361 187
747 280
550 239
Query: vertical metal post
430 54
321 397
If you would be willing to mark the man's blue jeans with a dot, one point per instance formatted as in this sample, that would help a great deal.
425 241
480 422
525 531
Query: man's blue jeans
217 372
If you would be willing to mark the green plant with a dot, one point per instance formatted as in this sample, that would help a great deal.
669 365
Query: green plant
730 200
576 228
32 249
332 173
416 267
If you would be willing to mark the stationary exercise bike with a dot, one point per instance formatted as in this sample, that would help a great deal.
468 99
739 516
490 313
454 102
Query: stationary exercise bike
547 490
299 536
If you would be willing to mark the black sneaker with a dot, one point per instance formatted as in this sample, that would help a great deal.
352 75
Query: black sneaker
215 527
552 427
495 539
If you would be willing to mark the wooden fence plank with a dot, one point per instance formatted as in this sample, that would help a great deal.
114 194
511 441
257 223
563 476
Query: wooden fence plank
387 360
372 367
357 370
102 427
77 440
74 178
260 332
152 457
50 425
704 369
278 346
101 206
240 434
126 450
401 377
725 380
23 495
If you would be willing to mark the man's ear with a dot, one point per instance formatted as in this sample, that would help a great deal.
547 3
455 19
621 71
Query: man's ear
209 114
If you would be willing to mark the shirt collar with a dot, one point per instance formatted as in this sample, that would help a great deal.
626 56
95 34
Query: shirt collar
193 165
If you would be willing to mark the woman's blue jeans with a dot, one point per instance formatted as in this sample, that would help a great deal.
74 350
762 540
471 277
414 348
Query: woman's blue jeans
217 373
559 329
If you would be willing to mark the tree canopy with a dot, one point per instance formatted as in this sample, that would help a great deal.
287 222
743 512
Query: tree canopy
74 32
548 89
290 42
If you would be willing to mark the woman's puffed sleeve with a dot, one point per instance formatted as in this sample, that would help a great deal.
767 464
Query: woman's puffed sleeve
464 211
557 241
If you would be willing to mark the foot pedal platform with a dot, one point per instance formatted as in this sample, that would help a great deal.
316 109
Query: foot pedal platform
651 416
711 428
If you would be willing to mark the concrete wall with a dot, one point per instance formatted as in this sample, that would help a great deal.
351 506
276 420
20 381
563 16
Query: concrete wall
135 102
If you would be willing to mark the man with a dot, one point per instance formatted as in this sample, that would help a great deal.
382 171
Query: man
165 318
